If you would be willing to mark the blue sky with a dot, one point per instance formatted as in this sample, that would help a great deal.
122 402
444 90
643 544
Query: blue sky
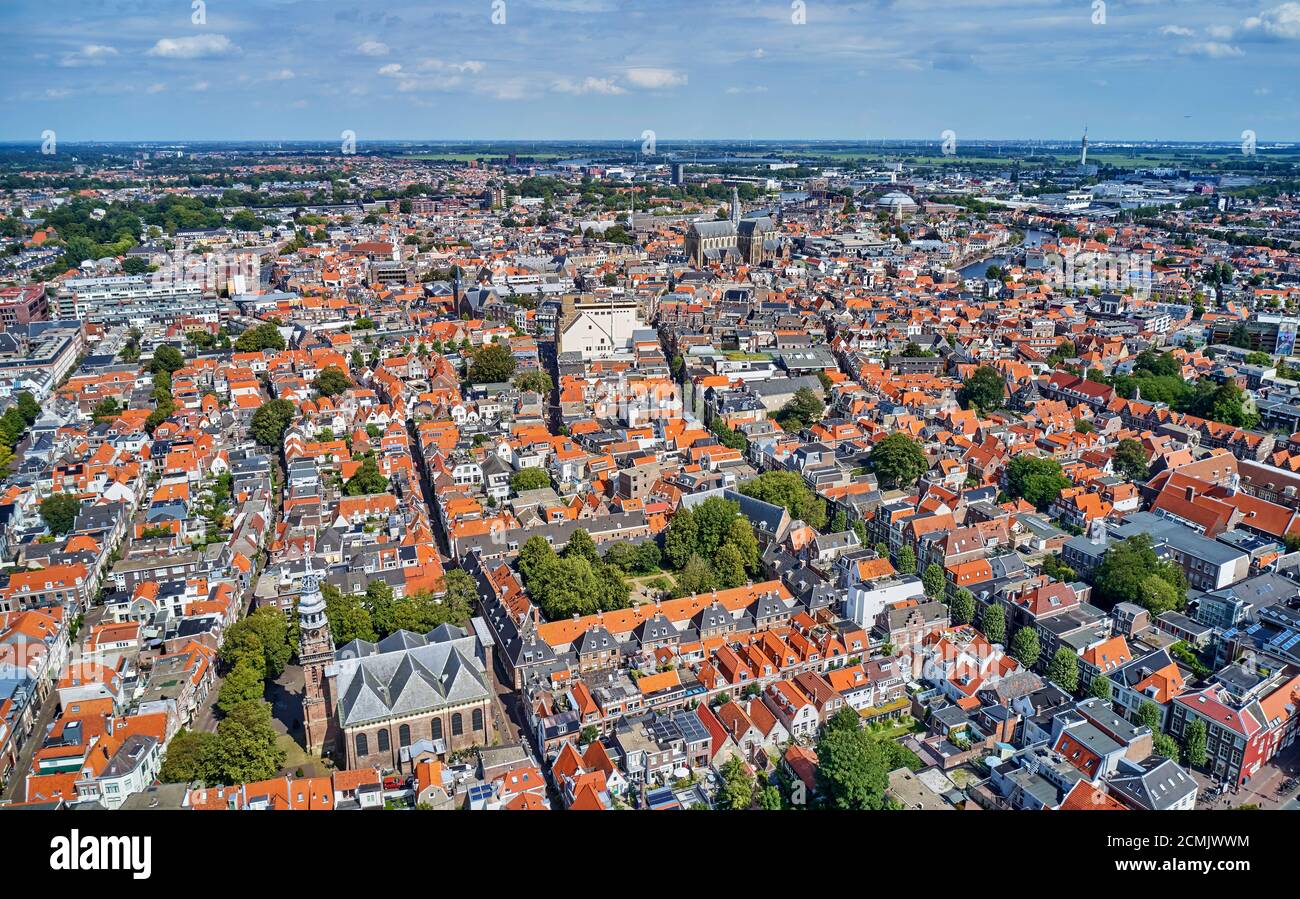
686 69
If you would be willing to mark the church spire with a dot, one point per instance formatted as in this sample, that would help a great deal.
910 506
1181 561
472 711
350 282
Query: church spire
735 205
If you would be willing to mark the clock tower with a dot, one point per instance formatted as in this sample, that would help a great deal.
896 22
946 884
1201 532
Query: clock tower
315 653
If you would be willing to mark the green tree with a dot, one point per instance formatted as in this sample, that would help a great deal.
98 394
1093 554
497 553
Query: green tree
737 790
1101 688
1131 459
983 391
186 752
898 460
536 381
906 560
696 577
264 633
28 408
1159 596
1194 743
713 520
245 683
166 358
740 535
962 607
787 488
994 623
529 479
1063 670
1124 570
852 769
270 422
933 580
1035 479
265 336
1165 745
581 546
680 537
804 408
1149 713
1024 647
348 617
59 512
459 593
730 567
367 480
331 381
106 409
245 748
381 604
492 364
770 798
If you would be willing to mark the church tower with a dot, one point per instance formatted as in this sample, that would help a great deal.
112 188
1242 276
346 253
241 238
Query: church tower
315 653
735 205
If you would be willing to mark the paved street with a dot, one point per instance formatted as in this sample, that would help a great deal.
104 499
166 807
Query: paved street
15 790
1264 788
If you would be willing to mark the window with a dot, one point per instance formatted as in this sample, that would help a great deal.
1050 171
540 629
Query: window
383 740
436 729
404 735
363 746
457 725
476 721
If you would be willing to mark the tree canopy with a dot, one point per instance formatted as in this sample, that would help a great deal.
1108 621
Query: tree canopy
983 391
492 364
787 488
331 381
1036 480
803 409
59 512
1131 571
898 460
270 422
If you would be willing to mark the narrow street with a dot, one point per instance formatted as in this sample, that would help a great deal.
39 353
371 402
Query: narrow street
15 790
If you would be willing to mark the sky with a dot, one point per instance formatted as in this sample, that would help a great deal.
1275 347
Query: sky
133 70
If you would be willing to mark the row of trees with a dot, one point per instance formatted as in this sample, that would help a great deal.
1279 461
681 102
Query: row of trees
245 746
377 613
578 582
712 545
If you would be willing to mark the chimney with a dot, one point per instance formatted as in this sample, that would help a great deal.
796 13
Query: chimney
1191 492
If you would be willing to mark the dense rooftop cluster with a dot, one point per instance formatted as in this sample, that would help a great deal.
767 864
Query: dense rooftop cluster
598 485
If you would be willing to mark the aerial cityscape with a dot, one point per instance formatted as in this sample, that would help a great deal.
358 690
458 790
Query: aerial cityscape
650 472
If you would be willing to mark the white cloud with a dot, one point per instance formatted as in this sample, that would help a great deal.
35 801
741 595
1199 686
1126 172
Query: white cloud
654 78
759 53
1176 30
196 47
756 89
1220 32
89 55
372 48
587 86
430 74
199 86
1281 21
1212 49
282 75
155 88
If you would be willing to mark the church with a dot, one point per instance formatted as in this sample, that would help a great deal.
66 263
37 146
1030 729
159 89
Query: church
384 704
737 241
